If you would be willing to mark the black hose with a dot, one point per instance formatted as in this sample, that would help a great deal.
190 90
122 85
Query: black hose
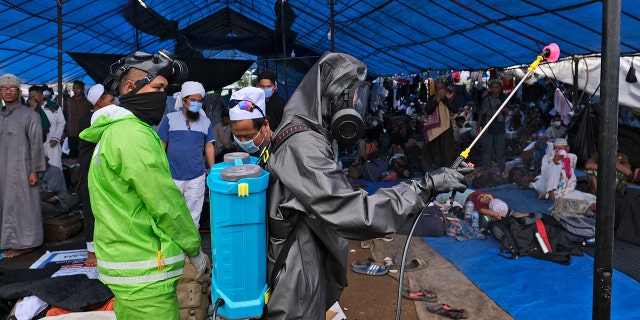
219 303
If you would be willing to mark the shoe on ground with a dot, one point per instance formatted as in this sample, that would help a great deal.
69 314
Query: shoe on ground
391 267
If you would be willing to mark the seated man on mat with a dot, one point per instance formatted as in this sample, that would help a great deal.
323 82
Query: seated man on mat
557 177
623 170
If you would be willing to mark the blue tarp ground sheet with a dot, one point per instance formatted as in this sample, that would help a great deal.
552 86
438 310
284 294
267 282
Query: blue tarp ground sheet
530 288
526 287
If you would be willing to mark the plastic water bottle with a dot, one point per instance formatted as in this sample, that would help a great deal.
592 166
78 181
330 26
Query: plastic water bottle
589 241
468 211
475 220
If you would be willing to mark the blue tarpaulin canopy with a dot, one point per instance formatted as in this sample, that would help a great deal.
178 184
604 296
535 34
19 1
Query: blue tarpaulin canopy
391 37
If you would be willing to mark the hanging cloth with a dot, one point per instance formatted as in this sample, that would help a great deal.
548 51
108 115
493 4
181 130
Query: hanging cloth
631 75
563 106
437 122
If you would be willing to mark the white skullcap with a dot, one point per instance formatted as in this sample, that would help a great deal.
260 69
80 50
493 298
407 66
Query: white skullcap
255 95
499 206
9 78
560 142
188 88
94 93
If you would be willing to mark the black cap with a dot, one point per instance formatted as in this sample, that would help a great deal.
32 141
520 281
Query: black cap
267 75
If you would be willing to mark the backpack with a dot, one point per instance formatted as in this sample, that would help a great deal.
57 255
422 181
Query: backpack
584 227
194 296
374 168
521 176
487 180
518 237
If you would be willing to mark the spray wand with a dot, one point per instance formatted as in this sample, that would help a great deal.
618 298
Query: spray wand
549 53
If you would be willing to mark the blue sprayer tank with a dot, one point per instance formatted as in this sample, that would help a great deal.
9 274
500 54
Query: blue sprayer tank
238 235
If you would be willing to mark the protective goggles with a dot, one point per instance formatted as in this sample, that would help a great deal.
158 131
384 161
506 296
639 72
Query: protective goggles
245 105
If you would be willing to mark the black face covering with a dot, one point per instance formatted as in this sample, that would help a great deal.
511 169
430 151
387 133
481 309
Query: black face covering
193 116
148 107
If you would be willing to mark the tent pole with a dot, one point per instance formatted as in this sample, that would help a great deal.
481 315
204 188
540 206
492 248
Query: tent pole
574 93
332 28
59 97
284 50
607 137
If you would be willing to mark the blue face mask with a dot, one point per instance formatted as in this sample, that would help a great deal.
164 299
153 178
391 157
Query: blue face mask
195 106
248 146
268 92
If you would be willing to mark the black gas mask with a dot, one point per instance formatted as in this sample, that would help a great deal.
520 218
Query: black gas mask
347 124
162 63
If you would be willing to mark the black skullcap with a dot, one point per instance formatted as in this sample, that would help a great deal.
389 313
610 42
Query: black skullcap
267 75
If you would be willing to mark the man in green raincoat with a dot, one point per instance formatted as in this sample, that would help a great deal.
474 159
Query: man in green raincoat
143 227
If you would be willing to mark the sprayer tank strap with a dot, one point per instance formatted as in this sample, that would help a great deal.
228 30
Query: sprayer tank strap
285 134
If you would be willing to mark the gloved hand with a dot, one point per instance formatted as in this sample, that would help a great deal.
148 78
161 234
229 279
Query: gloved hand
199 262
438 181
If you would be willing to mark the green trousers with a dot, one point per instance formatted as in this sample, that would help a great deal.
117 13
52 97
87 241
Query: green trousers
163 307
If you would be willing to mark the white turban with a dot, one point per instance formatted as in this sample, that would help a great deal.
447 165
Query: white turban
499 206
94 93
188 88
253 94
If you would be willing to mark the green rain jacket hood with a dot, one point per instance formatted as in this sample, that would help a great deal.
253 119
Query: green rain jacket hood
139 211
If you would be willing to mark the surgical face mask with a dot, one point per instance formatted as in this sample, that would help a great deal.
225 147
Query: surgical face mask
195 106
249 146
268 92
556 124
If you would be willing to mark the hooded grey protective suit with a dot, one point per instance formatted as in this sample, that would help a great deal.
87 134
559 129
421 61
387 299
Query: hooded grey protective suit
310 198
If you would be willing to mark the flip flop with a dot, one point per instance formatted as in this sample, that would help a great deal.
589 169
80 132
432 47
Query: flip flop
420 295
416 264
364 262
372 269
447 311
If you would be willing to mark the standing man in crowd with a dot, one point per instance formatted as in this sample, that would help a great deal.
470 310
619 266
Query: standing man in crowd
186 135
224 140
21 159
275 104
99 98
312 207
75 108
213 105
493 137
36 106
142 224
52 146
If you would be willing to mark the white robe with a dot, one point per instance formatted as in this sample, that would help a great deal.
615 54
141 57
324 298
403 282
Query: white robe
56 119
554 177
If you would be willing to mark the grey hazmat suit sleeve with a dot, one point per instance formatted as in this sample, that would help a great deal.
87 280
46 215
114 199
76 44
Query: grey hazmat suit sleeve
304 166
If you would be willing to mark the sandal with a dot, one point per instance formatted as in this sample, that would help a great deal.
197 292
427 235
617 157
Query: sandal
416 264
420 295
447 311
372 269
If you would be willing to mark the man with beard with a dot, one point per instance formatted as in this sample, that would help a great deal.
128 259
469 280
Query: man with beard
142 223
21 159
312 207
186 135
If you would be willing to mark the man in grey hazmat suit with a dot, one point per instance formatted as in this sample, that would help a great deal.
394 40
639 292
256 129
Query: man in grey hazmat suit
312 207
